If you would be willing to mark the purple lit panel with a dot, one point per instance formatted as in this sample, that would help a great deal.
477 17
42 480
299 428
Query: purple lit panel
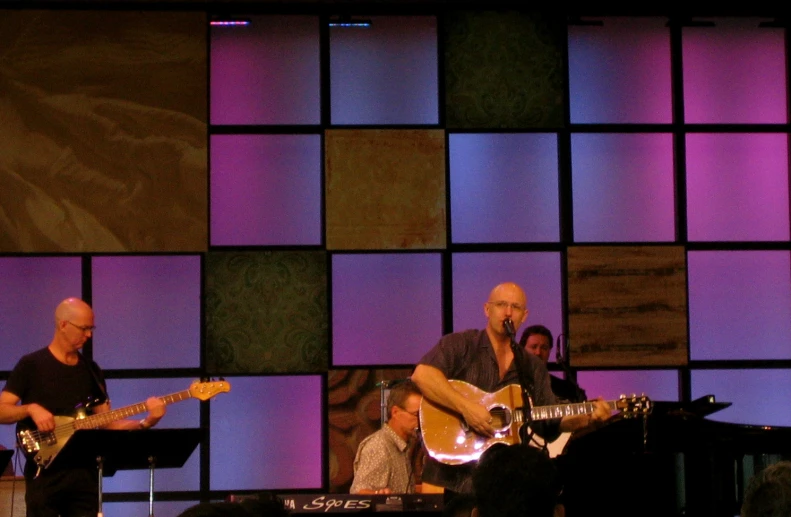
620 72
266 72
184 414
623 187
739 304
655 384
734 73
147 311
386 308
476 274
265 190
31 288
737 187
758 397
8 440
267 434
386 73
504 187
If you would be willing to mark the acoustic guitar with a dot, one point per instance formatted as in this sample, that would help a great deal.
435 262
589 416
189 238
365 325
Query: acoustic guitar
448 439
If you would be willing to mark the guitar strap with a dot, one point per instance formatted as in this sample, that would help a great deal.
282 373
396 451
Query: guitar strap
91 366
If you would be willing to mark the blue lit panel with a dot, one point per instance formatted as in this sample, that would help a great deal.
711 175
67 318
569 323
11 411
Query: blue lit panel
147 311
758 397
734 73
619 73
737 187
476 274
8 440
386 308
31 289
180 415
265 190
623 187
386 73
504 188
610 385
266 434
739 304
266 72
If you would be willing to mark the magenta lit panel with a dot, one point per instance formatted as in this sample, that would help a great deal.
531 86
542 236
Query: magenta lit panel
739 304
386 308
31 288
737 187
476 274
265 190
619 73
147 311
610 385
734 72
623 187
266 72
386 73
504 188
758 397
184 414
266 434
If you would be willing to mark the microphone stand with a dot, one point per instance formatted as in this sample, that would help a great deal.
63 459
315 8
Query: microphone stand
524 383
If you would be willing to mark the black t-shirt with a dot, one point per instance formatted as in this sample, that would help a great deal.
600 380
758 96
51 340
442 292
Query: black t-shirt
59 388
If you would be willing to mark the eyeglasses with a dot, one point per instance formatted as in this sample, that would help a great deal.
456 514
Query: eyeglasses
90 328
502 305
413 413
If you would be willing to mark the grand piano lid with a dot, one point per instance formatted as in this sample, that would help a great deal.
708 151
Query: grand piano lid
682 427
701 407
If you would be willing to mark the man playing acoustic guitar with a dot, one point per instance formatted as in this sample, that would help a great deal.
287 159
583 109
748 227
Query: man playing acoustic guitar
463 363
53 381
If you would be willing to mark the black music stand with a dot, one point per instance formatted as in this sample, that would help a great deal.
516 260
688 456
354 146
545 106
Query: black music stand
5 459
112 450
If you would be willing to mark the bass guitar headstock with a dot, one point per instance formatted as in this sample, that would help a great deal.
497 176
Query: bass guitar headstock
204 390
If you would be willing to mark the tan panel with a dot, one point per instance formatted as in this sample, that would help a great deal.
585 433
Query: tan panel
385 189
627 306
12 490
103 134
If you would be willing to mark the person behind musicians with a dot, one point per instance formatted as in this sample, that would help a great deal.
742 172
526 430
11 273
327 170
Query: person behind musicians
383 464
516 481
53 381
537 339
485 358
768 493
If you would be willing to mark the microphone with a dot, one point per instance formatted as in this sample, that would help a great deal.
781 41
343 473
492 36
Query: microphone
509 328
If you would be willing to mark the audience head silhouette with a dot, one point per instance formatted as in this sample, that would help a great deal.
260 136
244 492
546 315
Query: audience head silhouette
516 481
768 494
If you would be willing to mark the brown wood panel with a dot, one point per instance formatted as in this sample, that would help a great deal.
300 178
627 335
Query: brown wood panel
627 306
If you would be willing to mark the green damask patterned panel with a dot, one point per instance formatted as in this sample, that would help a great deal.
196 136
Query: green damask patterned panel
266 312
504 70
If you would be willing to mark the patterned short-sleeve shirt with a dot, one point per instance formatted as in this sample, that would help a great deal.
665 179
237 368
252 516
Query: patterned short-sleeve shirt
382 461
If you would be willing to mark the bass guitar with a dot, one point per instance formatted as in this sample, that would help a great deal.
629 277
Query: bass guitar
44 446
448 439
